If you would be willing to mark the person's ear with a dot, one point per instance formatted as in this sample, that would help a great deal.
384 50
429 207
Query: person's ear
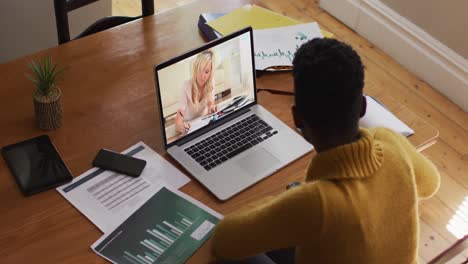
363 106
298 121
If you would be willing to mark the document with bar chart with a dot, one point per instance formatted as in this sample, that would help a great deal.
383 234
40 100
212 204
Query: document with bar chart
168 228
108 198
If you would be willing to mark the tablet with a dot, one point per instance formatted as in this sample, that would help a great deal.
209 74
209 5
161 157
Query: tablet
36 165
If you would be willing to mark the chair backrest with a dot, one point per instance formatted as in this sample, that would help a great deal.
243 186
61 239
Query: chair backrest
62 7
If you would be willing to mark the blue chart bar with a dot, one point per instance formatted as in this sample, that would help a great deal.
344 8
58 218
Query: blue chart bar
159 239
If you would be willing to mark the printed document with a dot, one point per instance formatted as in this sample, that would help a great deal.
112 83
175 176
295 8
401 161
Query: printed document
168 228
108 198
277 46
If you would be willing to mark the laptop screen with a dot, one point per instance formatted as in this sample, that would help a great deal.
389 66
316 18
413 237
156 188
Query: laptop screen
200 88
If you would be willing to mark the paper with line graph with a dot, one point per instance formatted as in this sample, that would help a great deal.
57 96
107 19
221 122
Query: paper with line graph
168 228
108 198
277 46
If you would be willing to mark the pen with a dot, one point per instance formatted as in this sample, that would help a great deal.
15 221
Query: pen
208 116
186 129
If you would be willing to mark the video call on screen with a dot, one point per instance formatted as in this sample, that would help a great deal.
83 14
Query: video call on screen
223 85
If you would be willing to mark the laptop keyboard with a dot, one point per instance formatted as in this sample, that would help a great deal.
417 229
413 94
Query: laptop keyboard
229 142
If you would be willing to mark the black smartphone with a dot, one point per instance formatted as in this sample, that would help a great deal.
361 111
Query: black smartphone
121 163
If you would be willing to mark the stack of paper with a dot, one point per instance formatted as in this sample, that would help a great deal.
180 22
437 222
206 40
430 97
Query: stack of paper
254 16
145 219
276 37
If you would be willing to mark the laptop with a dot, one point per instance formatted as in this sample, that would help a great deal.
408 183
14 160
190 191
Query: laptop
230 142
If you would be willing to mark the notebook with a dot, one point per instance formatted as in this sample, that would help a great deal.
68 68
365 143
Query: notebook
236 146
254 16
379 116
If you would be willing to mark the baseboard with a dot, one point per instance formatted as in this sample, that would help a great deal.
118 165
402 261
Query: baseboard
408 44
347 11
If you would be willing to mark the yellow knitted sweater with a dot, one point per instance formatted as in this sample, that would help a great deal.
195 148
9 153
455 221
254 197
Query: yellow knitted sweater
359 204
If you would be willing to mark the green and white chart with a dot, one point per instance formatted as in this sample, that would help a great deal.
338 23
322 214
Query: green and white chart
277 46
168 228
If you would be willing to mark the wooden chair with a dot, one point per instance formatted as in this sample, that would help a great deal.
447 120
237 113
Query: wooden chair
62 7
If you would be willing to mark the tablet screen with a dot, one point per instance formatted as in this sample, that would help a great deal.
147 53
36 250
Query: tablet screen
36 165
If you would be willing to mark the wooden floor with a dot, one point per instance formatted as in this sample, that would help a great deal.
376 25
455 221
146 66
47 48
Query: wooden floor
450 153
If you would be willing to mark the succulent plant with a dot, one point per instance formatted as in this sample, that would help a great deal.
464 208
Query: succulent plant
45 75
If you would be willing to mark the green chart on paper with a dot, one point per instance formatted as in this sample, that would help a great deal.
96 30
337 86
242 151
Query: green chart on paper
279 53
283 53
166 229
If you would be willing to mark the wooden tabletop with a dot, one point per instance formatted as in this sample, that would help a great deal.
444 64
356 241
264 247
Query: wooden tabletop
109 101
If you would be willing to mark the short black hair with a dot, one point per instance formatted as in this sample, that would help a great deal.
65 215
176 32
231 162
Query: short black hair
328 83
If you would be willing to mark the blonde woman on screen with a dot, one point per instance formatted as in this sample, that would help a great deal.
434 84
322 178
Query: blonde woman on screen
197 97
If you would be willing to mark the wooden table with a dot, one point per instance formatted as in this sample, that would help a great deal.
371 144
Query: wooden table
109 101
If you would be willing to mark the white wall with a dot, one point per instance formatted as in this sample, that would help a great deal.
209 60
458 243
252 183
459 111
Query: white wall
447 21
28 26
413 47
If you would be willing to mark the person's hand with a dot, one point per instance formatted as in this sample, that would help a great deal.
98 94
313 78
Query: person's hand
187 127
213 109
183 128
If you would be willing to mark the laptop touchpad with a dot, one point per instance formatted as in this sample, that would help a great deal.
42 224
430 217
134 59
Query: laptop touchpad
257 161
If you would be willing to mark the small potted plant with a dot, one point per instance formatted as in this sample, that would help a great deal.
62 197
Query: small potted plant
47 95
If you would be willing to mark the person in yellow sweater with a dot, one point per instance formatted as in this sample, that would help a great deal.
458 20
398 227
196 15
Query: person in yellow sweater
359 200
